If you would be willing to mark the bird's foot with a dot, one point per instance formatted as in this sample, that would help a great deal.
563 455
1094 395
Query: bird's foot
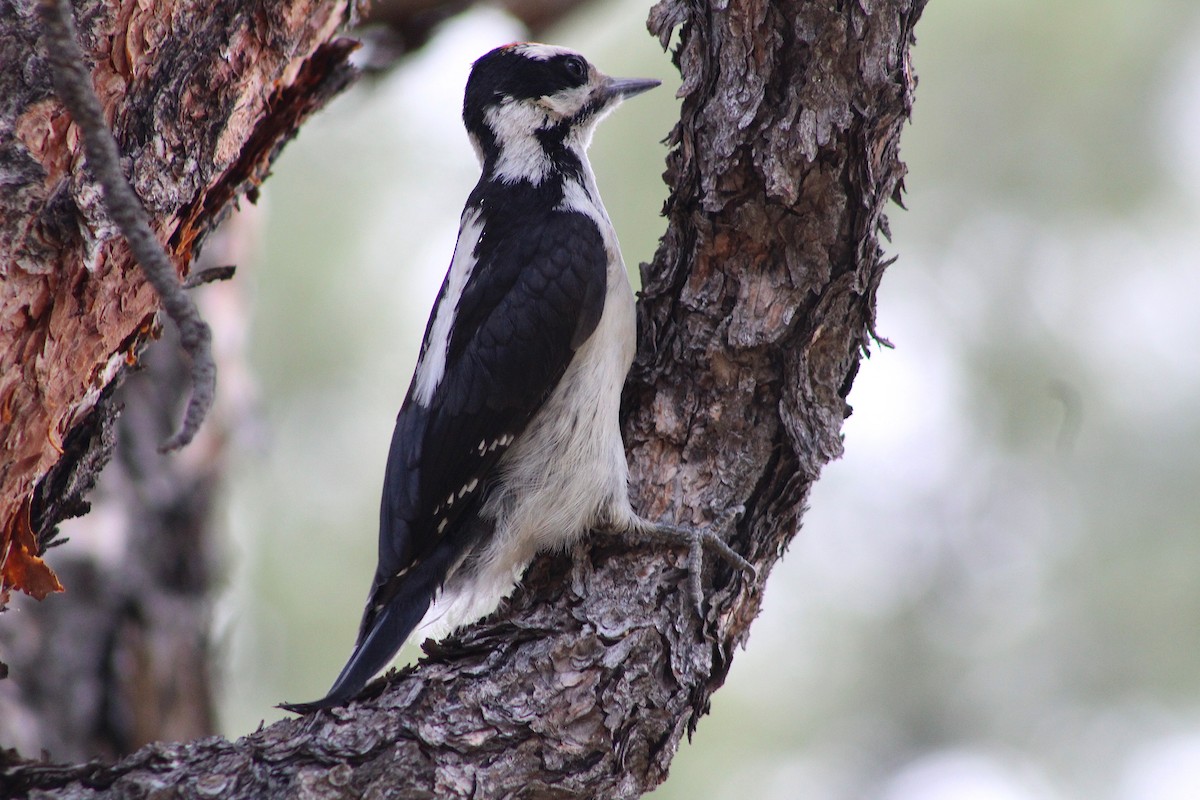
695 540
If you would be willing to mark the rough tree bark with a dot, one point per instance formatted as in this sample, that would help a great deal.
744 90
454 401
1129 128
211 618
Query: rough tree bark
131 635
201 98
755 314
198 126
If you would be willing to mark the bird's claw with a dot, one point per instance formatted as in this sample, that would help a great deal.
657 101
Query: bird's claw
696 540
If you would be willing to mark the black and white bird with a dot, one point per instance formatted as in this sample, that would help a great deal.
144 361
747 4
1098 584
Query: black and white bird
508 442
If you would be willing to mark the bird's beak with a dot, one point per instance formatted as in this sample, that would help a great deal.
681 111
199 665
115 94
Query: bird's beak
621 88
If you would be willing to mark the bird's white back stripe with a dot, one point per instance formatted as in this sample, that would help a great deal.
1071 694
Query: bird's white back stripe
433 361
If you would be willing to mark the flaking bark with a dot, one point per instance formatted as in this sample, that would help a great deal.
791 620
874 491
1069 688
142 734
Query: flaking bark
199 119
73 85
756 312
201 97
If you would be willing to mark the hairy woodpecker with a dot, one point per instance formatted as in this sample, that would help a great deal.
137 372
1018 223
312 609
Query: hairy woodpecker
508 442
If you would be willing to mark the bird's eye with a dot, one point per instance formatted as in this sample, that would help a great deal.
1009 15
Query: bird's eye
576 67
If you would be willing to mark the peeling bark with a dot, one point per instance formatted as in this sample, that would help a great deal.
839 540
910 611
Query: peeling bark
198 126
125 657
122 659
754 316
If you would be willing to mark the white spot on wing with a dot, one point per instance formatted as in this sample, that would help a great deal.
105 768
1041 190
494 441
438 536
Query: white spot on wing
432 365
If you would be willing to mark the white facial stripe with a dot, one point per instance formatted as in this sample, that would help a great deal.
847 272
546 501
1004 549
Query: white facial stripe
522 156
568 102
432 366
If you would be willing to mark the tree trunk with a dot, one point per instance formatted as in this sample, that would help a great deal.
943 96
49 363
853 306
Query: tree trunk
201 98
131 635
199 118
755 313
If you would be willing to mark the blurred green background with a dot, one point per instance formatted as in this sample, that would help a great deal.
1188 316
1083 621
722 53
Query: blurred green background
995 594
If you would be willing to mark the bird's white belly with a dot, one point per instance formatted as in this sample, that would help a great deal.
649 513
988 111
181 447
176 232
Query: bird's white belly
567 471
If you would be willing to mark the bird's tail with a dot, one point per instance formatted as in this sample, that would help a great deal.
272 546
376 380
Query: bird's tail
405 602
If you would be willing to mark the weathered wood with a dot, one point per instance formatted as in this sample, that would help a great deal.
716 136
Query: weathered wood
122 659
200 97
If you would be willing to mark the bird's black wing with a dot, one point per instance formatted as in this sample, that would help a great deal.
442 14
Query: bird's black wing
534 295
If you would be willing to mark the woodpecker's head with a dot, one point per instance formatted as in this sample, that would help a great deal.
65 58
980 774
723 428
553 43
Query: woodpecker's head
531 108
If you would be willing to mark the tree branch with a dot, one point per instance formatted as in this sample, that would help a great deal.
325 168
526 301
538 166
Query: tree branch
201 96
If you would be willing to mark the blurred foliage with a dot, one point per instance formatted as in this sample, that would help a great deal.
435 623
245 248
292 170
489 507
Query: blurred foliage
995 593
